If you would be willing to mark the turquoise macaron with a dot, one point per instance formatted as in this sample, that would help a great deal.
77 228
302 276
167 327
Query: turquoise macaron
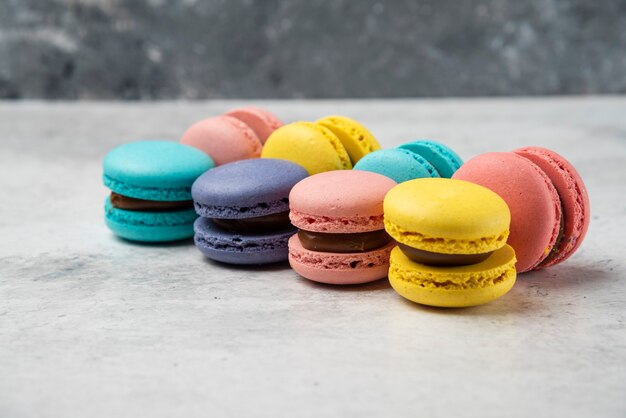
413 160
150 183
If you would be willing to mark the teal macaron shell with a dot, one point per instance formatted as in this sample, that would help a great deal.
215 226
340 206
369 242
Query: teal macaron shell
445 160
150 226
158 171
154 170
398 164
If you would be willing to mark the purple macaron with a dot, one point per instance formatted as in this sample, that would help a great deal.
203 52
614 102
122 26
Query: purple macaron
244 210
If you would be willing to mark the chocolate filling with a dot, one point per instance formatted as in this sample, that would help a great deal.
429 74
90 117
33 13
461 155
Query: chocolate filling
438 259
343 243
130 203
273 222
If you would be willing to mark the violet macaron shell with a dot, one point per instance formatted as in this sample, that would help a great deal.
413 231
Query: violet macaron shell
262 122
573 195
224 139
339 201
532 199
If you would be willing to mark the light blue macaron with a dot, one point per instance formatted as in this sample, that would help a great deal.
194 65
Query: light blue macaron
440 156
398 164
153 170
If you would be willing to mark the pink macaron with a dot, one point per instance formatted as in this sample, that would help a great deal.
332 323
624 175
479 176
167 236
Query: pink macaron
261 121
224 138
341 237
548 201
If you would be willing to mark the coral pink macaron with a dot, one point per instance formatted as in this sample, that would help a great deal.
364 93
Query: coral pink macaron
224 138
547 197
341 237
261 121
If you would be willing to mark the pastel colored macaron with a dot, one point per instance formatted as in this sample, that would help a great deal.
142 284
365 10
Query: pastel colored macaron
150 183
398 164
547 197
341 237
224 139
261 121
356 138
442 157
244 210
451 237
413 160
331 143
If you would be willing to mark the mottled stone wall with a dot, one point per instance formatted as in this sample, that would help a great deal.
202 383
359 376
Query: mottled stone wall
157 49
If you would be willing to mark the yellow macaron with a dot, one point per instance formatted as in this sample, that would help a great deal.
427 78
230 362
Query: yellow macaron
313 146
451 237
356 139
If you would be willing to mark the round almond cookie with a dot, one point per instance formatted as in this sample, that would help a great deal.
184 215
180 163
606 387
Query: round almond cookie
223 138
261 121
451 237
341 237
150 183
548 201
244 210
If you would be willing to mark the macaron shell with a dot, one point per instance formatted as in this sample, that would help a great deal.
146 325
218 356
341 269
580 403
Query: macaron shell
247 188
262 122
154 170
312 146
532 199
573 195
149 226
444 159
236 248
446 216
224 139
398 164
340 202
453 287
356 139
336 268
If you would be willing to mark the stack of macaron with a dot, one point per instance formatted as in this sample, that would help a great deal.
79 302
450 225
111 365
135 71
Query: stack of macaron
236 135
413 160
451 237
244 210
331 143
341 237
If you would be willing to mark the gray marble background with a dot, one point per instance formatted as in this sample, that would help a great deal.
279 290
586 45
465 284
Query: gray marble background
158 49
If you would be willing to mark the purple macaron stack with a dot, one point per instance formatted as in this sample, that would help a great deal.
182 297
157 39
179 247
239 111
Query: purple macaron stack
244 210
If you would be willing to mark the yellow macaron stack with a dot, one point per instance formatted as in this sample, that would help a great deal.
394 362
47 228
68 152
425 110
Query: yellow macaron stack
451 237
331 143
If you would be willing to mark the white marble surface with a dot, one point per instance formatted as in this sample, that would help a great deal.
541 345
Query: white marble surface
91 326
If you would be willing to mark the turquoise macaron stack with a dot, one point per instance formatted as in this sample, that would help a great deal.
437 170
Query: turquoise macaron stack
151 183
413 160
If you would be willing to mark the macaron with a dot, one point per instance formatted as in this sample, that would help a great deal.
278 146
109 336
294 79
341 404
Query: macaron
331 143
549 204
451 237
244 210
150 183
442 157
310 145
261 121
413 160
341 237
356 138
224 139
398 164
